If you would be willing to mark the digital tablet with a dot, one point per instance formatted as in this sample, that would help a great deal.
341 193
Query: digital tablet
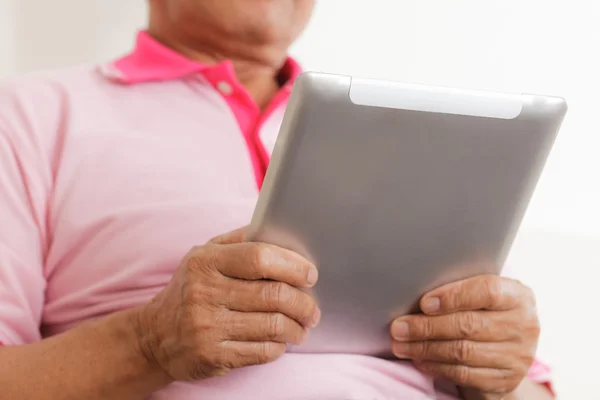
393 189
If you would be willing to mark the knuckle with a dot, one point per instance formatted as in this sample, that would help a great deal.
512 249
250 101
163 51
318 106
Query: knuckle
196 260
270 294
462 352
201 327
275 294
526 360
189 296
307 303
469 324
267 352
202 259
287 296
425 327
276 326
493 290
196 294
256 259
462 375
221 358
302 268
263 353
528 327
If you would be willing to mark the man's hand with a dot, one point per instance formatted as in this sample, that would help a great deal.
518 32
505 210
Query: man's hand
230 304
480 333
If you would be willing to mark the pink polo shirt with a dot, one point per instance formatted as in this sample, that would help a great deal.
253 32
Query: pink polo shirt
109 175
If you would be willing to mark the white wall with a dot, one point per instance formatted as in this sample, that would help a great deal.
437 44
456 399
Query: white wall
540 46
7 39
50 34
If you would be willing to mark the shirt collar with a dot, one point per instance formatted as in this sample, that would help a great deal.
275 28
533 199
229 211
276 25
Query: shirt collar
152 61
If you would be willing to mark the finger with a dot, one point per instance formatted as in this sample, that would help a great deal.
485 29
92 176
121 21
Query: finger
242 354
481 326
460 352
272 296
236 236
484 292
263 327
485 379
254 261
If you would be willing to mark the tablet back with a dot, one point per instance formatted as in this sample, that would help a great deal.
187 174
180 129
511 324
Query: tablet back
394 189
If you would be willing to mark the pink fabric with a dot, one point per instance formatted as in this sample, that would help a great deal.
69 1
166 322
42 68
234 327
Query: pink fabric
166 65
108 176
542 374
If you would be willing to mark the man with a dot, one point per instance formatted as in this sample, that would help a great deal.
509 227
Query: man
109 176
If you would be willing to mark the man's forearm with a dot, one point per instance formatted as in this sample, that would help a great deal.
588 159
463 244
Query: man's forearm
97 360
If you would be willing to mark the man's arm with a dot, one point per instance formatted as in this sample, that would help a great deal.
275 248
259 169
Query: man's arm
97 360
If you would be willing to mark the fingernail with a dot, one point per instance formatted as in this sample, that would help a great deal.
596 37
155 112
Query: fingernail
313 276
400 330
400 350
431 305
316 317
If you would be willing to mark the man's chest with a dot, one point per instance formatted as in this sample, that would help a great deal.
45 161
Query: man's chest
128 204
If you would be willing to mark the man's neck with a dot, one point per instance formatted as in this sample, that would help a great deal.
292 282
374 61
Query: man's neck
258 73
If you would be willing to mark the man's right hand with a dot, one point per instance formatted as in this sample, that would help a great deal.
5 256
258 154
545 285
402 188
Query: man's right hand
230 304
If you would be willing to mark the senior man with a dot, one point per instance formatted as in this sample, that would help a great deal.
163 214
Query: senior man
110 175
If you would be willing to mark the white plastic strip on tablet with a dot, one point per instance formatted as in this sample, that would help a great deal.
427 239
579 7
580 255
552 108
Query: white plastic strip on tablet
409 96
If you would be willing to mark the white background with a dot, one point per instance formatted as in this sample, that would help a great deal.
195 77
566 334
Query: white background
537 46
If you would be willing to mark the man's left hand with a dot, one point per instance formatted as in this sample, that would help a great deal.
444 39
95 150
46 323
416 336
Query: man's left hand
480 333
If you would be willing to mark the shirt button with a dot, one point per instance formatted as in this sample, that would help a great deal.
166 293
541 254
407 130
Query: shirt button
225 88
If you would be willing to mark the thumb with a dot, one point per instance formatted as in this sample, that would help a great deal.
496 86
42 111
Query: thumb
237 236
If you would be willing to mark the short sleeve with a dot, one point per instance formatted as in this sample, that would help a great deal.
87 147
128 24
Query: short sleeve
24 187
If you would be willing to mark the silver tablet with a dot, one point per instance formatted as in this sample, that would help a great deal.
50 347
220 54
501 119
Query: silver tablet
392 189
